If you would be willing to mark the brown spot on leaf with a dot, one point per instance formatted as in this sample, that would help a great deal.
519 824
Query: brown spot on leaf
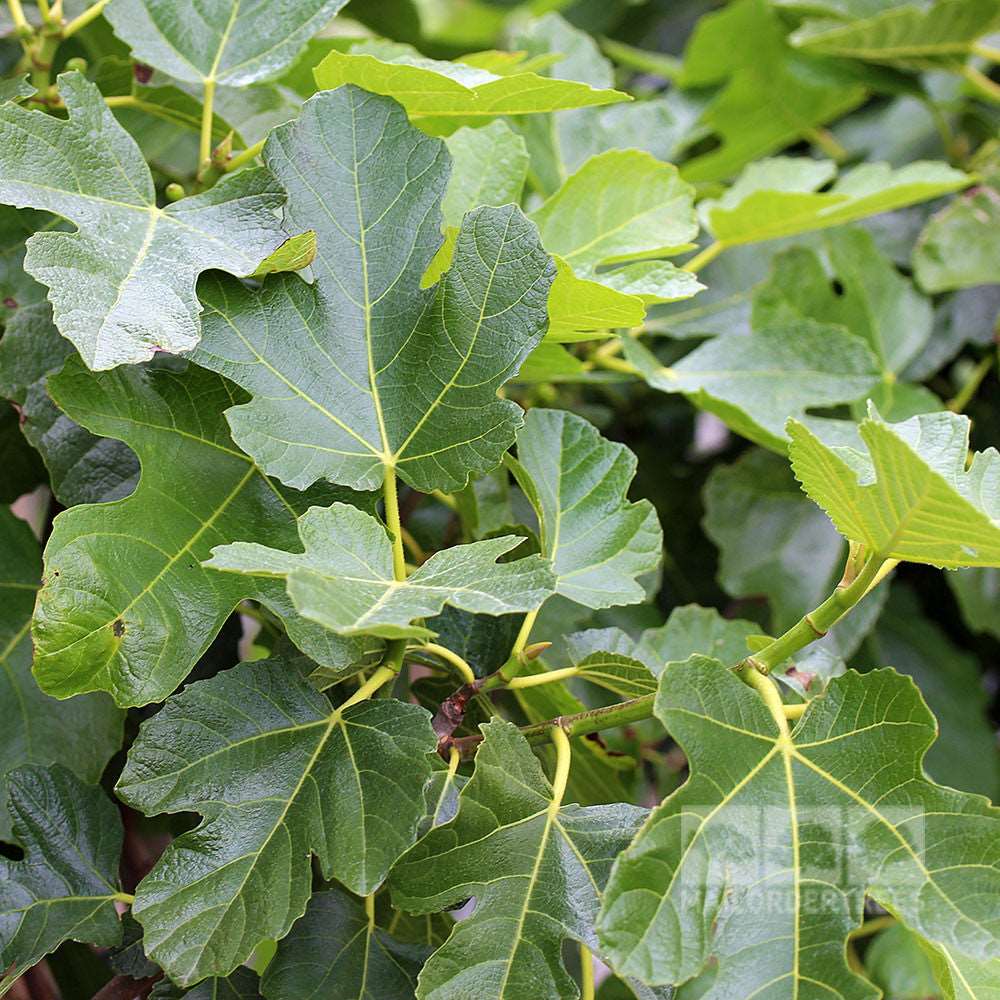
118 628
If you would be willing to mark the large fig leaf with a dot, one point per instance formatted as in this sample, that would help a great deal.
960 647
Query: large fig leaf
364 370
763 858
126 606
123 286
300 777
535 865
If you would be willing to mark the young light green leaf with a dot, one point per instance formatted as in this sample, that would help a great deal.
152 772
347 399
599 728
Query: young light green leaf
301 778
861 290
826 829
939 35
767 99
488 167
535 865
598 542
122 286
89 727
622 205
66 887
909 496
363 370
450 91
126 607
755 382
335 953
344 579
222 41
781 196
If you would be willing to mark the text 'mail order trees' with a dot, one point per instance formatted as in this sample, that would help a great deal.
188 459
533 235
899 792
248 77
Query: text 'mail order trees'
500 500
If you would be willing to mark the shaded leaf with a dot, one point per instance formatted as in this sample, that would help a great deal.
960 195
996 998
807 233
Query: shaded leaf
344 579
82 733
243 984
837 808
126 607
66 887
535 866
978 594
335 953
909 496
364 370
598 542
896 962
755 382
300 777
122 286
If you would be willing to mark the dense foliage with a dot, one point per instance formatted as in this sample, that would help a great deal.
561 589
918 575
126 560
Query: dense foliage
498 501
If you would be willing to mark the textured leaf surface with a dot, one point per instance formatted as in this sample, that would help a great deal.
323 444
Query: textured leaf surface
344 578
910 496
535 866
227 41
126 606
333 953
755 382
781 196
66 886
122 286
89 727
577 481
839 807
300 778
432 87
935 36
243 984
363 369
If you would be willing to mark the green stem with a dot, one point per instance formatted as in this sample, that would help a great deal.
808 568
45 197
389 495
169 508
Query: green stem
17 16
819 621
825 140
393 523
207 111
706 256
248 154
580 724
443 653
90 14
981 82
586 974
42 54
872 926
768 692
986 52
963 397
125 897
547 677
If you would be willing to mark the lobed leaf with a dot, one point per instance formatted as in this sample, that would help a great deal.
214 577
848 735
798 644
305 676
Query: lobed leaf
122 285
223 41
363 370
65 889
534 865
598 542
126 606
344 579
89 727
300 777
909 495
763 858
